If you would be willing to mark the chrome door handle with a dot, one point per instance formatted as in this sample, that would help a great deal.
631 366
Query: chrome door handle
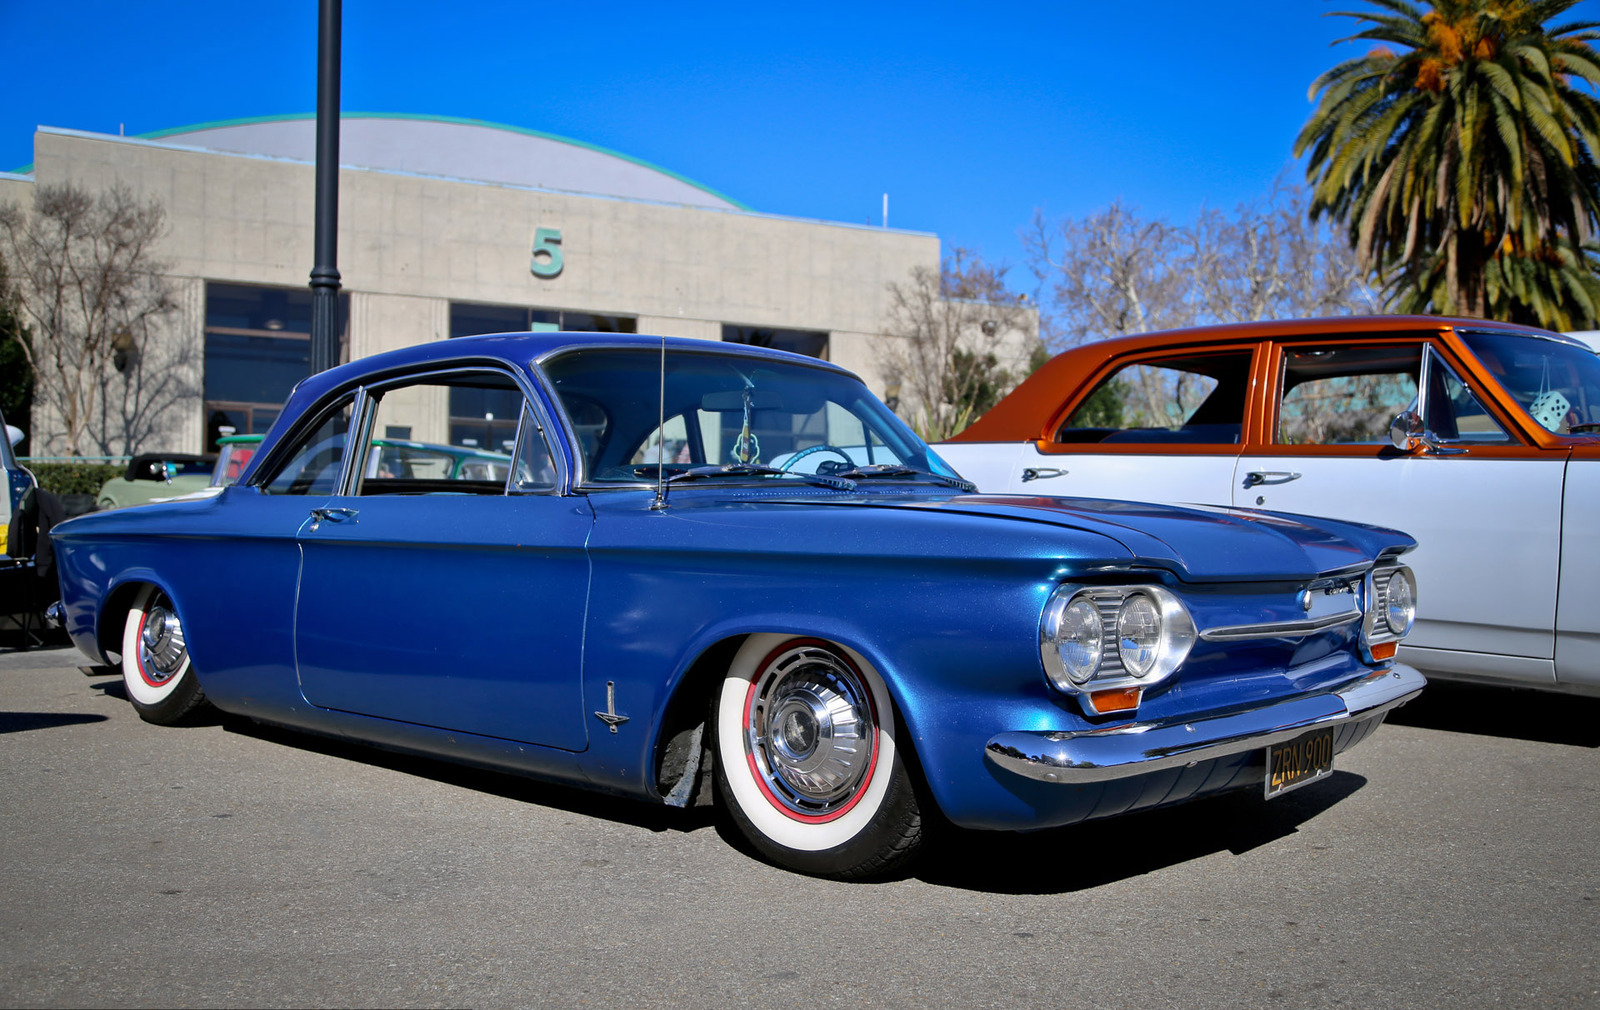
332 515
1041 473
1255 477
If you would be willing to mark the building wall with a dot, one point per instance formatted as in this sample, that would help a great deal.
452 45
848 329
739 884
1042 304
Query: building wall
409 246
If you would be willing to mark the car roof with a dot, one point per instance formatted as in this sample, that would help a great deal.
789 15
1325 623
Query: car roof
524 349
1022 414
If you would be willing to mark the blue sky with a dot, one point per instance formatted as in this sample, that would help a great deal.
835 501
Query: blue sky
969 115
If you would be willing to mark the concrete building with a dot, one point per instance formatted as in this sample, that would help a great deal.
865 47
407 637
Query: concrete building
452 227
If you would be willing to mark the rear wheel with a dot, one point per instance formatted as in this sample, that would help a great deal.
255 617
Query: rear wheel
807 762
156 671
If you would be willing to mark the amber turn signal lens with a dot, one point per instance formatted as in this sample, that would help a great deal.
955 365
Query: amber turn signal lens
1385 651
1121 700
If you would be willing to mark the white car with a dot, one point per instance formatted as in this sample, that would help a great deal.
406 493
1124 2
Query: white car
1482 440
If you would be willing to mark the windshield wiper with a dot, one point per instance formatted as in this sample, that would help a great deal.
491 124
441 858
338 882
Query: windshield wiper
757 470
896 470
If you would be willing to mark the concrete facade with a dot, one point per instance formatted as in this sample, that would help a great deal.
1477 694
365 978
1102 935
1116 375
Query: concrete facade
411 245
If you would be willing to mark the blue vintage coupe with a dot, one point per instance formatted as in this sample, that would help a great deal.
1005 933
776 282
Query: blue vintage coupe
715 563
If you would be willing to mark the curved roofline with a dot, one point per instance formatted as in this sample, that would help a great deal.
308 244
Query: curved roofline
289 117
1026 413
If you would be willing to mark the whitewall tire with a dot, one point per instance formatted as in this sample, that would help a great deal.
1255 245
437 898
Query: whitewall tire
807 759
156 672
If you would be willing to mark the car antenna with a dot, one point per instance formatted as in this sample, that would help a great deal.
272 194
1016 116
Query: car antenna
661 433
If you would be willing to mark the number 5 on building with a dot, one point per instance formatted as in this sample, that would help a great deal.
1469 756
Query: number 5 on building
546 242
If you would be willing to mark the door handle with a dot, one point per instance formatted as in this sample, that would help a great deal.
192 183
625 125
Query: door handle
1255 477
1041 473
332 515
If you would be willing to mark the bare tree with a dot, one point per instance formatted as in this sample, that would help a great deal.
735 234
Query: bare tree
1114 273
1108 275
1269 260
94 295
958 340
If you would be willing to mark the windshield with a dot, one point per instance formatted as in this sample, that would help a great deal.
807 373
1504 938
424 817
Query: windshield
723 409
1556 383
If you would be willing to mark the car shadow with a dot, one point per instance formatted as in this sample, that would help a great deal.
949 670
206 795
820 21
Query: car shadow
1082 856
1509 712
651 817
990 861
21 722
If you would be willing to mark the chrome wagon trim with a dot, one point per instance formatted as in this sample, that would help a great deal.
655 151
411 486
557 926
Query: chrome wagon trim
1114 752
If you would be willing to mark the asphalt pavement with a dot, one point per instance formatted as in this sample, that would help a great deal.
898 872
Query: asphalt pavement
1451 861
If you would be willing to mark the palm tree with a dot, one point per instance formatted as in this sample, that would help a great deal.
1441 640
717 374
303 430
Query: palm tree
1460 154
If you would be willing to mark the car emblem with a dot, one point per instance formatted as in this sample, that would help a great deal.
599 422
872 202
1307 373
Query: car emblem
1305 600
610 716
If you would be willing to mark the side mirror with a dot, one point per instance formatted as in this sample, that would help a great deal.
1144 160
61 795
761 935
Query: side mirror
1405 431
14 435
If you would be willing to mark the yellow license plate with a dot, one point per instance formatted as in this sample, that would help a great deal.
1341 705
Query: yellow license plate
1304 759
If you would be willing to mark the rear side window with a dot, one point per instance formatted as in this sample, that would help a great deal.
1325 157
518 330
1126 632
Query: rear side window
1194 399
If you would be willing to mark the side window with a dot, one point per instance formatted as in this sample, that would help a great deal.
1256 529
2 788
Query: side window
1345 395
445 434
534 469
317 462
1194 399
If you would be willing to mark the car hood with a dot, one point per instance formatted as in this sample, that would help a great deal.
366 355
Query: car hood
1199 543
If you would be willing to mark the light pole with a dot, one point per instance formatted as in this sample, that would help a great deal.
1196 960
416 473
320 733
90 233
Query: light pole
325 268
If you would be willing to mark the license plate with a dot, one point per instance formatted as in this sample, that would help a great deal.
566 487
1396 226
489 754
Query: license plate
1304 759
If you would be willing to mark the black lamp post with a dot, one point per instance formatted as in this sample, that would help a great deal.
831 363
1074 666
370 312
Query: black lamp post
325 270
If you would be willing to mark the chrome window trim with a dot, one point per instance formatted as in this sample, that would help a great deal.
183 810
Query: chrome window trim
580 481
483 367
529 425
1432 358
362 413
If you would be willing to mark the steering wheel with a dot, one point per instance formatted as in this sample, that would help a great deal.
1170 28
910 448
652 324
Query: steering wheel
789 463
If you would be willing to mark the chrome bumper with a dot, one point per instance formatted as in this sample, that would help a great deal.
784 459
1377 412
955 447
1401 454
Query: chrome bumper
1115 752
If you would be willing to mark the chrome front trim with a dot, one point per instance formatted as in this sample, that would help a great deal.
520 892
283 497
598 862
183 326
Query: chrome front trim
1115 752
1279 629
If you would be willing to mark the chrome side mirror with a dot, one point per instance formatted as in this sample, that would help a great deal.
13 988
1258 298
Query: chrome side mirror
1406 432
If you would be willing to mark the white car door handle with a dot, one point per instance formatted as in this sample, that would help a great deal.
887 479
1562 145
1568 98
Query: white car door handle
1041 473
1255 477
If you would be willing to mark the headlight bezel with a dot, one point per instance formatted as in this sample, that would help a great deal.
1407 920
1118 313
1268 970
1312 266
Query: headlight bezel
1377 628
1176 636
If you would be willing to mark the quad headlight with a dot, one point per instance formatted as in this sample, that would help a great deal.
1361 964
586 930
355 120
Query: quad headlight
1107 640
1400 603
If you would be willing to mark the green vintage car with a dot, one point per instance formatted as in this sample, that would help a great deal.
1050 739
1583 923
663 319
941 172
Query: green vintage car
157 476
387 457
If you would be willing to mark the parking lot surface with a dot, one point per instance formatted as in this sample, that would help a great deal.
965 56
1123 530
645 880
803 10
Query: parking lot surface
1450 861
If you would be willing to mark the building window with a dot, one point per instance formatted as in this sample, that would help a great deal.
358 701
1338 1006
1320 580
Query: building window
487 418
467 319
808 342
258 345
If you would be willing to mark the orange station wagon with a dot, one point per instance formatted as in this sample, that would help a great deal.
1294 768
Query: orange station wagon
1480 439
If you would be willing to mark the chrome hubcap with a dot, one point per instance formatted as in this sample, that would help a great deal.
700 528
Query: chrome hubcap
811 729
161 647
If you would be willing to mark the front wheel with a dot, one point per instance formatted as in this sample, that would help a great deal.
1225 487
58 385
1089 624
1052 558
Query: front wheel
155 661
807 763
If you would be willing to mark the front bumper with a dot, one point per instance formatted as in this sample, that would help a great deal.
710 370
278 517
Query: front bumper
1119 752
